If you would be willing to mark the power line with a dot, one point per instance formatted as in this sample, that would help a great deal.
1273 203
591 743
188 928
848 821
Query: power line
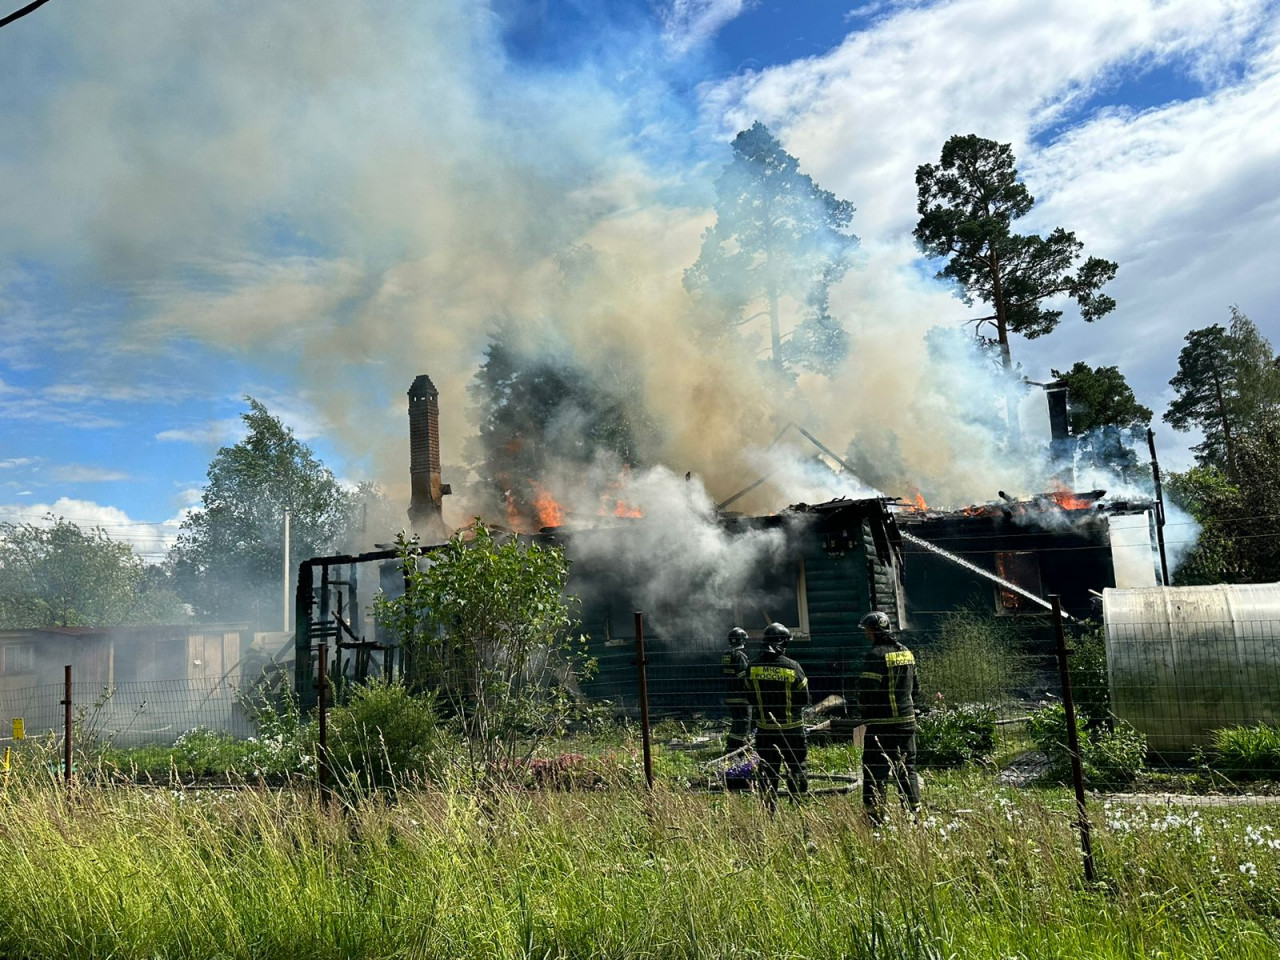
19 14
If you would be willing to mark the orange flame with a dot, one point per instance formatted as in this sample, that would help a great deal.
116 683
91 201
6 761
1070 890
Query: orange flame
914 501
550 513
1067 500
624 509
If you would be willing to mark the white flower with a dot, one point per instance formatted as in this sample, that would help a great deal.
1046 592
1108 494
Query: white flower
1249 869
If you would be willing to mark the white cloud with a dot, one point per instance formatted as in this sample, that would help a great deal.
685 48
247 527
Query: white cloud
295 411
690 23
211 433
1181 194
25 404
80 473
149 540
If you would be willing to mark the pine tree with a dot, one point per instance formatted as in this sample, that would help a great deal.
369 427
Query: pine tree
780 241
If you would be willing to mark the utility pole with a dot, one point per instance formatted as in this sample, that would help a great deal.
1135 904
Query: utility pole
287 598
1155 474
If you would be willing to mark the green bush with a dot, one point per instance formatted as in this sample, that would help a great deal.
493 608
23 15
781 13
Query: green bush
491 633
384 734
1246 752
976 658
1089 681
1109 758
956 735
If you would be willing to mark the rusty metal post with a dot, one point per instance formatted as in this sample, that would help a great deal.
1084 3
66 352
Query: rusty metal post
67 728
322 705
1073 741
641 664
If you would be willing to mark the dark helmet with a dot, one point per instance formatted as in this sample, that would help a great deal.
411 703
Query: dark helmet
776 637
877 622
737 637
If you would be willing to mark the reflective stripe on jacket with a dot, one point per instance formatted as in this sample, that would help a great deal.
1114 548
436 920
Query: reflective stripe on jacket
734 666
888 689
779 690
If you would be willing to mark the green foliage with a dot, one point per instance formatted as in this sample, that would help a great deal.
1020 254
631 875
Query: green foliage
967 204
384 736
1090 685
1110 758
1239 518
1107 421
975 658
956 735
1227 385
59 575
488 627
779 241
1101 397
1247 752
228 558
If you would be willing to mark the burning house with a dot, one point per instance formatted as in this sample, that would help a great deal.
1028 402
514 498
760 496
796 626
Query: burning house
1006 556
824 568
695 570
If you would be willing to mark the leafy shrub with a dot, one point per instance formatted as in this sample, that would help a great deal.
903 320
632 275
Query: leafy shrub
976 658
956 735
1089 683
383 733
490 630
1109 757
1115 757
1247 752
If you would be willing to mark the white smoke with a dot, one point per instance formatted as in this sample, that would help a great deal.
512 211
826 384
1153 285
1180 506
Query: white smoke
681 565
359 193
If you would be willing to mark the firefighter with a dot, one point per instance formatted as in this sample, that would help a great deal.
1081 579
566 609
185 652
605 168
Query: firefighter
887 693
734 666
779 691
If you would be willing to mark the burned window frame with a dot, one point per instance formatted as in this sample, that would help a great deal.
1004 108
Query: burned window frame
1021 568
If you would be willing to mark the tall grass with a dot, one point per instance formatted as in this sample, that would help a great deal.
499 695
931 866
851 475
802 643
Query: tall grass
132 873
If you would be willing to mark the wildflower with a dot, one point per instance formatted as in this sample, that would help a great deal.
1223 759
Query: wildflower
1249 869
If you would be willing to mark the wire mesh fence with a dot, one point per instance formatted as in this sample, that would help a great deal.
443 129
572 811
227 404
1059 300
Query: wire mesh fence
1182 709
131 714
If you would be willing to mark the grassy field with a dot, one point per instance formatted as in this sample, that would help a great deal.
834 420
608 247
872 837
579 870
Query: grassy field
127 872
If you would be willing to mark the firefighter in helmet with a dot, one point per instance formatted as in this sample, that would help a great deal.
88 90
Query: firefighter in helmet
779 690
734 666
887 693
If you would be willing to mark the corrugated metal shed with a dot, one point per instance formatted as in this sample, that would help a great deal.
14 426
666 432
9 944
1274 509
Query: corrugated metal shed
1185 661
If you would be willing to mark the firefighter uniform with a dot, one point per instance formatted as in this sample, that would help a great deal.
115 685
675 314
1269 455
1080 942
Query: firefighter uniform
734 665
779 691
887 692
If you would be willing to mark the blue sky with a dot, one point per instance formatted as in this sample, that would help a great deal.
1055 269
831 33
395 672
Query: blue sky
312 205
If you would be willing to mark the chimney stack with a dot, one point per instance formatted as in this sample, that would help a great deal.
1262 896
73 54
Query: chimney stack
425 517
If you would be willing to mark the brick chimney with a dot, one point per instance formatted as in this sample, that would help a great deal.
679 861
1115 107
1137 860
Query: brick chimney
428 492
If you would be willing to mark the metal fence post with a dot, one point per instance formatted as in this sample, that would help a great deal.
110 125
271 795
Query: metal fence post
322 705
1073 740
67 728
641 664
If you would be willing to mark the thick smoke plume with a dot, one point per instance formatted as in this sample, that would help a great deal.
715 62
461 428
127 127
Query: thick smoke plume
688 571
367 192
